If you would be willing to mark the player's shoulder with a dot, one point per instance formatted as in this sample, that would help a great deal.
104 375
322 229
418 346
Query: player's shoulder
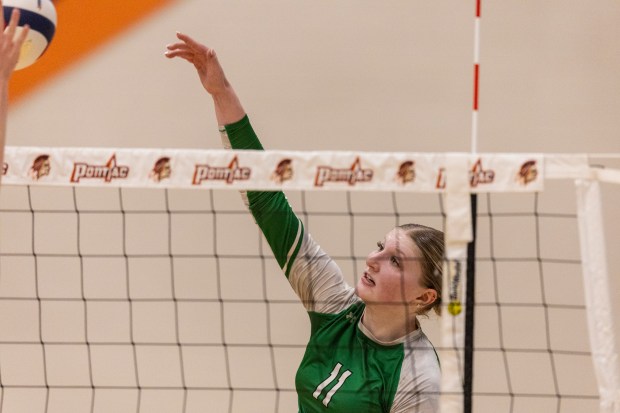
420 377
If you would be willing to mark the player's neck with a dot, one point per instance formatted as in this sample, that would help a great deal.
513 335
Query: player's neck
387 324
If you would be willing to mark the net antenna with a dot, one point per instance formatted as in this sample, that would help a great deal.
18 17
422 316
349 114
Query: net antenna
459 269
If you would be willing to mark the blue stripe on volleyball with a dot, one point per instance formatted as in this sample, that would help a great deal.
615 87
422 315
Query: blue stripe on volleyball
36 22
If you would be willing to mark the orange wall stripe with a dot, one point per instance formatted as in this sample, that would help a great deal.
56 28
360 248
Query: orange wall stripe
83 26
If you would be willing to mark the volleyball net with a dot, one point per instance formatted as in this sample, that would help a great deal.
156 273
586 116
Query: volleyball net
137 281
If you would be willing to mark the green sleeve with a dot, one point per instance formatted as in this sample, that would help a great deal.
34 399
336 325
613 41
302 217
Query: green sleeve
271 210
242 135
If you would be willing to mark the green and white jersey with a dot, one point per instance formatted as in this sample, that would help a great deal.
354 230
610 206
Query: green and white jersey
344 369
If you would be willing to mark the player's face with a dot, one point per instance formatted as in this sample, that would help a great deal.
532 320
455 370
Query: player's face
393 272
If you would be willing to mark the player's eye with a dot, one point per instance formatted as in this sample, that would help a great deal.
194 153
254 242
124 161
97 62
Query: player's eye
380 245
395 261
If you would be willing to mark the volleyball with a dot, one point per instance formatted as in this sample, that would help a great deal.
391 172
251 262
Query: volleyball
40 15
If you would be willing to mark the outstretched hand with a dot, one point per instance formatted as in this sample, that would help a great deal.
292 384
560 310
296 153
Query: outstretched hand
10 45
228 108
204 60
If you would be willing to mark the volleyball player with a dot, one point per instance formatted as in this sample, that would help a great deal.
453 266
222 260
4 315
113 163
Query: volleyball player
9 54
367 352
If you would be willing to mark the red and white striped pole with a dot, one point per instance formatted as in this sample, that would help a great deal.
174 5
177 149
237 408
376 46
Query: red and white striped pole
470 278
457 358
474 121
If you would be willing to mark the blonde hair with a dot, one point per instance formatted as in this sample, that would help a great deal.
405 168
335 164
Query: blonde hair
430 242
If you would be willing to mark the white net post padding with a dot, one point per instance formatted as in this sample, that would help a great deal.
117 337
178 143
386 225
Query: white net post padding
458 234
596 289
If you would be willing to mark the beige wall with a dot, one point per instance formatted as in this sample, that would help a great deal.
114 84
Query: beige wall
318 74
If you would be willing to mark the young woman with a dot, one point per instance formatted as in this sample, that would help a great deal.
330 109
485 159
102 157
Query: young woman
366 352
9 54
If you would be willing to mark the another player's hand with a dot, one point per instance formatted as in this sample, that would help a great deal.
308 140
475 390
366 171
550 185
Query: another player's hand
204 60
10 46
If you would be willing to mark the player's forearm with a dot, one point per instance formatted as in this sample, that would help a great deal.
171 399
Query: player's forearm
228 108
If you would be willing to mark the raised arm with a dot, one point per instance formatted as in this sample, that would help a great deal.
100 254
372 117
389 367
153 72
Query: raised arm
228 108
9 54
270 209
313 275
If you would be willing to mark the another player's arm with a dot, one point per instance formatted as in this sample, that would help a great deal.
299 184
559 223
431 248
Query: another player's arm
9 54
4 107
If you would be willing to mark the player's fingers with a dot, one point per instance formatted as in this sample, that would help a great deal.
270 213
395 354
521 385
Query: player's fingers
174 49
10 29
179 53
1 8
177 46
189 41
173 53
22 36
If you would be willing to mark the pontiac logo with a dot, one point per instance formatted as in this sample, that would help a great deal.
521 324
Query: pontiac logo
477 176
355 173
106 172
229 174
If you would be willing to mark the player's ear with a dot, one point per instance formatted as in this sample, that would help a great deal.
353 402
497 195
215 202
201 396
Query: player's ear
428 297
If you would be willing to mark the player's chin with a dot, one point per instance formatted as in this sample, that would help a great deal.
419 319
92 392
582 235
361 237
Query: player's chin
363 291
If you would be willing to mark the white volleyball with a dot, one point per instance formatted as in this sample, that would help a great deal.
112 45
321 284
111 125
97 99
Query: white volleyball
40 15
